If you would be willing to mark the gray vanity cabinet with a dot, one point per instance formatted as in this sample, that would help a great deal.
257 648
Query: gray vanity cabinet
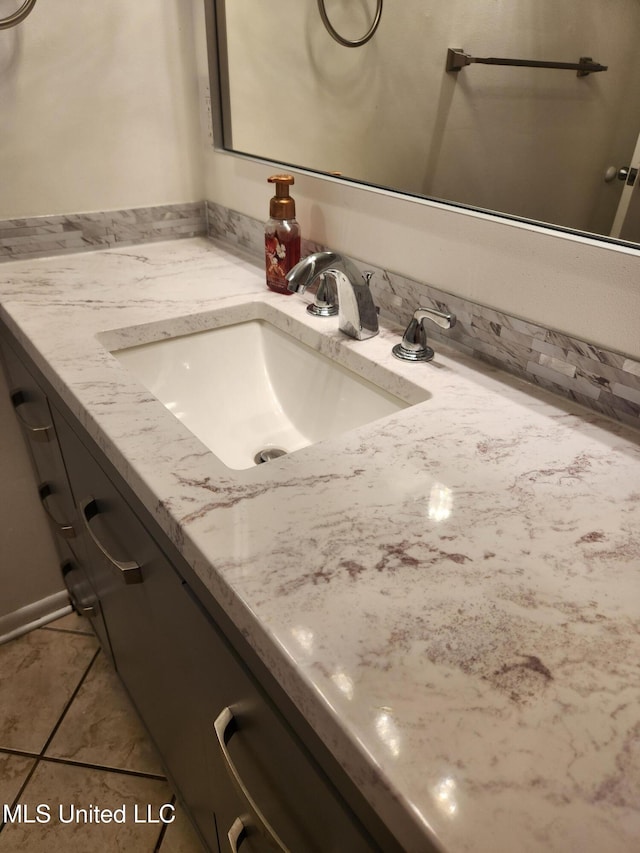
228 751
140 593
31 407
271 796
32 410
248 768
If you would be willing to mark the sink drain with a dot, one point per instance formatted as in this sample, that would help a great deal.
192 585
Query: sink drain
267 454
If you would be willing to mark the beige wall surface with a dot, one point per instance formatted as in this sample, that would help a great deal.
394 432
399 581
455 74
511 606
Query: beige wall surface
99 107
98 111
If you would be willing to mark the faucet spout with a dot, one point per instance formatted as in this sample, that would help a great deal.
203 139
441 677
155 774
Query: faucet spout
357 314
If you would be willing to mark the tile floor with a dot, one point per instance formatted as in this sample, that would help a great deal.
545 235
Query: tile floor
69 736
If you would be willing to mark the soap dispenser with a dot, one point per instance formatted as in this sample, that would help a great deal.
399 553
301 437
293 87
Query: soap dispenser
281 235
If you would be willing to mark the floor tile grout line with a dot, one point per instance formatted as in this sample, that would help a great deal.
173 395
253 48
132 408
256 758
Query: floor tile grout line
43 759
57 760
54 759
68 704
39 756
22 790
75 631
21 753
140 774
163 830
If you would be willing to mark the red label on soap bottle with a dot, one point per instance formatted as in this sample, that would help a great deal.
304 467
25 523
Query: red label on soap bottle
282 253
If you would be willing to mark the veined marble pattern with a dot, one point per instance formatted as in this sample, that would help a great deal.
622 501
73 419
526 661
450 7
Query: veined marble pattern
605 381
450 594
43 236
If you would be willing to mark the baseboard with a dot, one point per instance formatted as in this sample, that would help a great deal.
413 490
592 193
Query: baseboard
34 615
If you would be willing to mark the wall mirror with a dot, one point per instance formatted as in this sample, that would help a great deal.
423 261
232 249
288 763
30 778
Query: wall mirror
417 109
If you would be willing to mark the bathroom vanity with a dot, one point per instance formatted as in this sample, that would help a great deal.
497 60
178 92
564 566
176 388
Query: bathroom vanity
193 679
418 633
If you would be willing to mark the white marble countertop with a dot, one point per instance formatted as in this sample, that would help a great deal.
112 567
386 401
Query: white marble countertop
450 595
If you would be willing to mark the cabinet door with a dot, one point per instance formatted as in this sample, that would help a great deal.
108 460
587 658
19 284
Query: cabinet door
138 588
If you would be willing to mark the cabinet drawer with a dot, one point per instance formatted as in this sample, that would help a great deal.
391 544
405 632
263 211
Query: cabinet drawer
34 415
270 794
28 400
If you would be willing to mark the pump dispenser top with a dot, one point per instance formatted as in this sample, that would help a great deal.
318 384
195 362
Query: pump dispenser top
282 206
281 235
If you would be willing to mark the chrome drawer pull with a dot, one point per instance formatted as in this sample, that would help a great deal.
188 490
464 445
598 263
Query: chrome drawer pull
37 433
224 726
65 530
131 571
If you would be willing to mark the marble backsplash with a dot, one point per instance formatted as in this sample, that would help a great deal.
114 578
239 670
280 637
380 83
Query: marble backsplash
606 381
603 380
43 236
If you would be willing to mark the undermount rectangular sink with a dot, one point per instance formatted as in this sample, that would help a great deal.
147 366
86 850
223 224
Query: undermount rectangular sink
251 392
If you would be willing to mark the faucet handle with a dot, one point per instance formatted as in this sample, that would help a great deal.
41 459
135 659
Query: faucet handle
414 341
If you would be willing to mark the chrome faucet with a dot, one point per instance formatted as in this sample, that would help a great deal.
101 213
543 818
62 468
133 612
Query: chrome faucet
357 314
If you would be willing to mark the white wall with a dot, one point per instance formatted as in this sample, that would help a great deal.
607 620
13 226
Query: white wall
98 107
